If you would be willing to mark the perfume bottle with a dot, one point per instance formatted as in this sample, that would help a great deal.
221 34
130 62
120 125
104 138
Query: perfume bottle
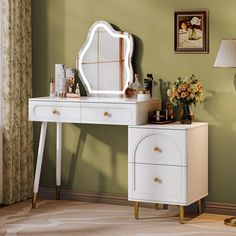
129 91
148 83
52 87
77 90
136 85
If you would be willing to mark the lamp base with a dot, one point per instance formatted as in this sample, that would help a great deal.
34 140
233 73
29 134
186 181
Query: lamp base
230 221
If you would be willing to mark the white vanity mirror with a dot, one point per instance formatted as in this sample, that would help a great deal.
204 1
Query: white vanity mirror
104 62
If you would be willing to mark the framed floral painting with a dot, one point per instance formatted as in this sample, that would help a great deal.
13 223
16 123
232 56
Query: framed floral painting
191 31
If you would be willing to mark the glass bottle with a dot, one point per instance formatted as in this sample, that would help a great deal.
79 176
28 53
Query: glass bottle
129 91
77 90
148 83
52 87
136 85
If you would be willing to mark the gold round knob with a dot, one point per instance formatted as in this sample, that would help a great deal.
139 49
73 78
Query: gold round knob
106 113
156 180
156 149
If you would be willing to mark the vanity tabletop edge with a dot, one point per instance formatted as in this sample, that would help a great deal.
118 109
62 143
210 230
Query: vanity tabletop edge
84 99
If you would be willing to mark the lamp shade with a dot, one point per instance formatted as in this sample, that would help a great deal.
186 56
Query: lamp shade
226 56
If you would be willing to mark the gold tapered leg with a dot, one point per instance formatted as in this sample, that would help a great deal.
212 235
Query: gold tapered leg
199 206
181 214
156 206
165 206
58 192
136 210
34 200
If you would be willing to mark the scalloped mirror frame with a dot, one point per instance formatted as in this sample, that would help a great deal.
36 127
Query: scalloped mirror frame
127 59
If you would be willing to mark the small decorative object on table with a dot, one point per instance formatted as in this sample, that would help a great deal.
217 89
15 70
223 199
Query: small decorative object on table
148 84
52 87
70 77
165 116
130 91
72 87
184 93
60 81
136 85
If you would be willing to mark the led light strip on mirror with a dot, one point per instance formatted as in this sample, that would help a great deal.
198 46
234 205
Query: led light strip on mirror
127 59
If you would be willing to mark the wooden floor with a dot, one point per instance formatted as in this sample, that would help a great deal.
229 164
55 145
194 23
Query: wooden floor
80 218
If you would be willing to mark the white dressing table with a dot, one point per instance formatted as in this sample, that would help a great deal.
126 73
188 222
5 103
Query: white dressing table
104 65
87 110
105 69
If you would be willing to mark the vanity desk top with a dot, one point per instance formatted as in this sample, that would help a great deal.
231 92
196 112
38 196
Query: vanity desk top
92 110
84 99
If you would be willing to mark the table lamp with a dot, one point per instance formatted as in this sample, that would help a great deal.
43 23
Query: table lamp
226 57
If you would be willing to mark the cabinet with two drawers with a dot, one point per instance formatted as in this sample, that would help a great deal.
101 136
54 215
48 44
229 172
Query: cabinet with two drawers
168 164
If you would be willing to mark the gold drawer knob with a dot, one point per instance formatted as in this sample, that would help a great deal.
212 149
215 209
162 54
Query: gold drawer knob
55 112
157 149
107 114
157 180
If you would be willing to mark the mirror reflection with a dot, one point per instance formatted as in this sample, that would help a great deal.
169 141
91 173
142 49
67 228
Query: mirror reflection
104 62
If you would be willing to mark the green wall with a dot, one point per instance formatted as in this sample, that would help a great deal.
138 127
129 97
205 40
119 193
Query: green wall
95 157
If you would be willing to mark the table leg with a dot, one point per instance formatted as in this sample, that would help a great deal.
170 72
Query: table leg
200 206
39 162
136 210
181 214
58 159
156 206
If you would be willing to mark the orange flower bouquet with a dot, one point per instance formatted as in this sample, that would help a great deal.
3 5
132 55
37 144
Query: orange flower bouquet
185 92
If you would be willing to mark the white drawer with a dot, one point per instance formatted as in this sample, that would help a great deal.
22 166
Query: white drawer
53 112
116 114
153 146
157 183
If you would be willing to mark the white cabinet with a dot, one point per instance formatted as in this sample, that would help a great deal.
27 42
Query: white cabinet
168 164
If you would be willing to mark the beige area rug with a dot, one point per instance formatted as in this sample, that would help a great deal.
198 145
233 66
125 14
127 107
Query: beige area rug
80 218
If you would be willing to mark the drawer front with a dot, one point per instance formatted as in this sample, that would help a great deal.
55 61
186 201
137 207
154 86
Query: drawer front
115 114
52 112
153 146
157 183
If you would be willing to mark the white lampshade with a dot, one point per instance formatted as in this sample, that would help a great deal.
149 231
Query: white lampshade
226 56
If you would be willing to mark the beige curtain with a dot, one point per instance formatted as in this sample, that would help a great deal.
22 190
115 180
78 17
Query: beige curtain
18 161
1 167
